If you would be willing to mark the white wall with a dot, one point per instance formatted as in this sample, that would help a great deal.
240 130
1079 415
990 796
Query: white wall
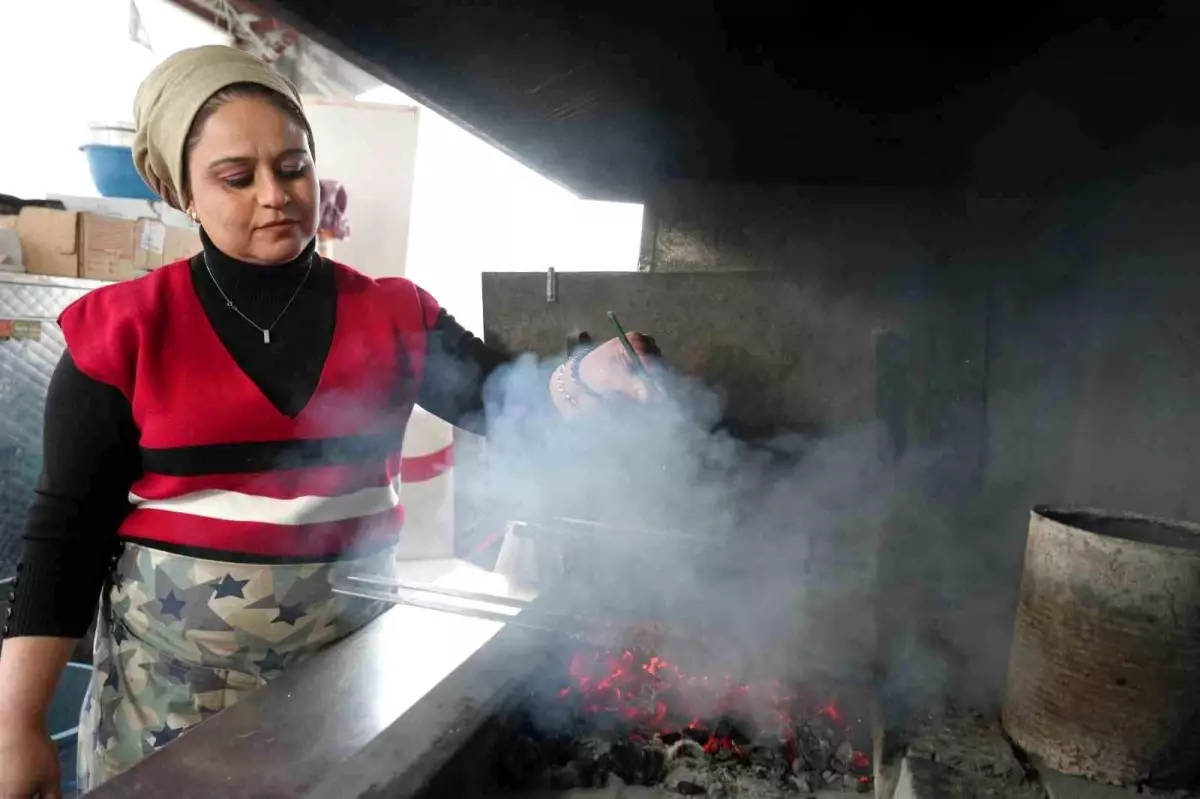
72 62
370 149
478 210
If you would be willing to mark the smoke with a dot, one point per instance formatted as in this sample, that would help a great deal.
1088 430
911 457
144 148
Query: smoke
758 557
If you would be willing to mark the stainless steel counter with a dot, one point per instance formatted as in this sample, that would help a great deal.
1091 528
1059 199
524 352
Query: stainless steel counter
375 715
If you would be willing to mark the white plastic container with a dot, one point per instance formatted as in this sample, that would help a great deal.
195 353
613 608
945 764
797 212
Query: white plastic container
113 134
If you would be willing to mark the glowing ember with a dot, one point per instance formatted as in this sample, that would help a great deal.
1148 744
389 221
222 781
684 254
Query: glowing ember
831 712
653 696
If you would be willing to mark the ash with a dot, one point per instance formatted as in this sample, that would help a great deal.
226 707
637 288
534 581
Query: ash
963 752
618 790
816 760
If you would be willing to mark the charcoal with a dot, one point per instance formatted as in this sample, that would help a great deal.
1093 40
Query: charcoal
763 755
842 757
687 773
520 763
811 757
738 730
593 758
660 731
761 772
800 784
627 761
565 778
770 739
685 749
724 755
556 748
654 764
592 746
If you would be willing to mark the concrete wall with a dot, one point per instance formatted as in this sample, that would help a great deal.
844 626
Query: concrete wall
1085 297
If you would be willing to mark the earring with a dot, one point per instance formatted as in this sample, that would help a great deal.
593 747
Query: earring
191 212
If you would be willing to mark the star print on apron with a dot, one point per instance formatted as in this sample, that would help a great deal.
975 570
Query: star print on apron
180 638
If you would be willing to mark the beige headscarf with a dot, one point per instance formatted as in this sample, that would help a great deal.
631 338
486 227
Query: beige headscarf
172 94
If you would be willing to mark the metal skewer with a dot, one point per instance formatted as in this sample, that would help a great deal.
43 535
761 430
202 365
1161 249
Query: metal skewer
472 596
516 612
383 586
366 592
635 360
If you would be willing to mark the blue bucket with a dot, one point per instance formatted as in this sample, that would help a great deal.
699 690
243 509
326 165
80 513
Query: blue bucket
113 172
63 718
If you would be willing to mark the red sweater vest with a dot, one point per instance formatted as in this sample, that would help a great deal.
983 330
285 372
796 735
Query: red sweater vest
225 473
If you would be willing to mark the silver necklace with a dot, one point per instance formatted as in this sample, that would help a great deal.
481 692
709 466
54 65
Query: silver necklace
266 331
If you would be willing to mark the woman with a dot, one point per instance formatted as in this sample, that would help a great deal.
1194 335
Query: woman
222 430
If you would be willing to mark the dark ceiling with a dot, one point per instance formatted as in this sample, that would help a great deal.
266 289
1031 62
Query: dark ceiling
610 98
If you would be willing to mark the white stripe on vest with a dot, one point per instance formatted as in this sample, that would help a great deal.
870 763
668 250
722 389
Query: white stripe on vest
233 506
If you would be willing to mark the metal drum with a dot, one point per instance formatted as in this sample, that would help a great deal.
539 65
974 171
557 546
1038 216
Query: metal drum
1104 676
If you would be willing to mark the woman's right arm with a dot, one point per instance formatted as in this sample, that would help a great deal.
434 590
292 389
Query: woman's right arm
90 459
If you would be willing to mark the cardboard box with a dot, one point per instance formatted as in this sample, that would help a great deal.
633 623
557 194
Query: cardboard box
11 257
125 208
180 244
107 247
70 244
151 241
48 241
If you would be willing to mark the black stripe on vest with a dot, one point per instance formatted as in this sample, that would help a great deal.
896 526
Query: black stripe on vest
266 456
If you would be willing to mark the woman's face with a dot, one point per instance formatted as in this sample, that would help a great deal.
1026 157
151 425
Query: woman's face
252 182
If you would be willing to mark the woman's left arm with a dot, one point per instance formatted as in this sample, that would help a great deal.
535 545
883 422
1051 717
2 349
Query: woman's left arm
458 365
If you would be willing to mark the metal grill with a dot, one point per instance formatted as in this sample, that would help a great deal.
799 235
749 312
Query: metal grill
25 368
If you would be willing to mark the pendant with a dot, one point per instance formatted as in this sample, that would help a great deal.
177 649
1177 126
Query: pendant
266 337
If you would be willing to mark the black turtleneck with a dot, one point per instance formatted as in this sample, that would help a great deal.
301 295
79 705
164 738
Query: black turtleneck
90 441
288 369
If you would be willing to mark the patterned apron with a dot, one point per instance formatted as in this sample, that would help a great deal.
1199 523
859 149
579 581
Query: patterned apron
181 638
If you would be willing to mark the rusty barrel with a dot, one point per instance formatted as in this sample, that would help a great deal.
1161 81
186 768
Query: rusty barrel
1104 676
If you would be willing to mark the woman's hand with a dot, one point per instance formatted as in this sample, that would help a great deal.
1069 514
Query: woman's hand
606 371
29 670
28 762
